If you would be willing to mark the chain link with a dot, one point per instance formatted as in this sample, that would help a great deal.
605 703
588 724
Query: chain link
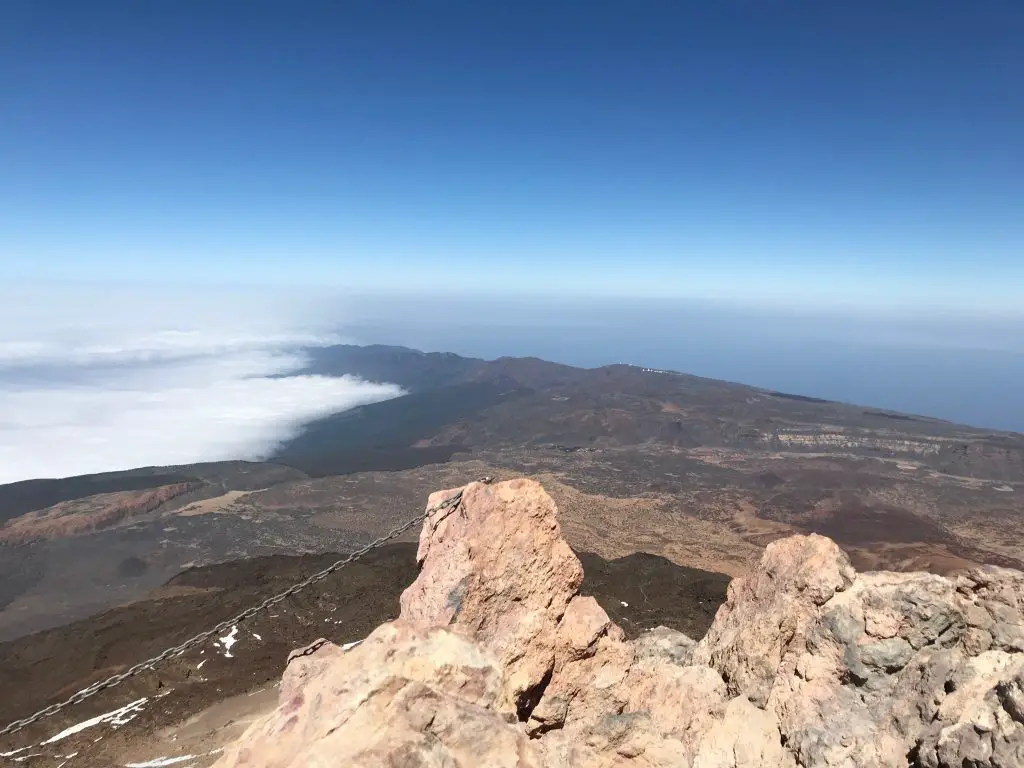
179 649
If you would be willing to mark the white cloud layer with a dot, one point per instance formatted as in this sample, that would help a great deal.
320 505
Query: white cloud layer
103 379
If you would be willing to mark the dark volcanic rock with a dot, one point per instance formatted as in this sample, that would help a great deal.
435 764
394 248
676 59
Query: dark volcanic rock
642 591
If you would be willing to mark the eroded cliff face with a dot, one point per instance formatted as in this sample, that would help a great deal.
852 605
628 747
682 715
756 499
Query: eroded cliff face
496 660
90 513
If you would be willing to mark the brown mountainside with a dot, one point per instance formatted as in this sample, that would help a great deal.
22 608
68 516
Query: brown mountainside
703 472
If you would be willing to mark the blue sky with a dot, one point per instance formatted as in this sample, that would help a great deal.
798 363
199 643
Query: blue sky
799 153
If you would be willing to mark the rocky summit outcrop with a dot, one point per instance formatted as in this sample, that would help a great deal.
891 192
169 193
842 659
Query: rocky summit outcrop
496 660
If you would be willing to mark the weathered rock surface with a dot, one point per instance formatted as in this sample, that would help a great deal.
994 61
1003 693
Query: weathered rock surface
497 569
406 695
864 670
497 661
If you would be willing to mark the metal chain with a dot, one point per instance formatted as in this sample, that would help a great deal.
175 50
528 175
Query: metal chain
177 650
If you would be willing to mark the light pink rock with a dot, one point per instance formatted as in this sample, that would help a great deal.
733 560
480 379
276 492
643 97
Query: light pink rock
591 661
497 570
405 696
745 737
765 614
862 670
497 661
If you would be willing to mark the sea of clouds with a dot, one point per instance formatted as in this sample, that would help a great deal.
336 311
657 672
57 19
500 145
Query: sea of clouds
100 378
106 377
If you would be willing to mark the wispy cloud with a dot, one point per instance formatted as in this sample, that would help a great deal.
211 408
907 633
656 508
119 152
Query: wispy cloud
104 379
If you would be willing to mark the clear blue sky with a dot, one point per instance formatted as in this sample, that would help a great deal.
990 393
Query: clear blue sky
783 151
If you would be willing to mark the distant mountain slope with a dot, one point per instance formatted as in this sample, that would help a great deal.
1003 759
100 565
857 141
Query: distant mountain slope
16 499
29 495
461 404
372 437
410 369
704 472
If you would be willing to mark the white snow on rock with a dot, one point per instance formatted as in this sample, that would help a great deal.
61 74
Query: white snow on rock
353 644
624 603
160 762
257 637
116 718
229 640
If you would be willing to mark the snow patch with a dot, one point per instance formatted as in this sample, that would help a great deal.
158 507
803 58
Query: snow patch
353 644
624 603
160 762
229 640
116 718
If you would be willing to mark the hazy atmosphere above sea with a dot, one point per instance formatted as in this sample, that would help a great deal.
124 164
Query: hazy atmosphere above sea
96 378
